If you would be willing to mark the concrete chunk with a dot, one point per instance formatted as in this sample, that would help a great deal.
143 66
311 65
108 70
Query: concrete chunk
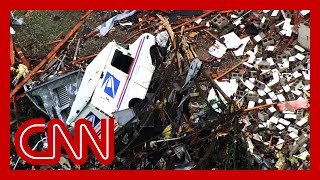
300 56
249 84
290 116
263 116
302 122
259 37
293 135
269 101
284 122
304 35
293 128
274 120
220 21
281 98
280 127
251 104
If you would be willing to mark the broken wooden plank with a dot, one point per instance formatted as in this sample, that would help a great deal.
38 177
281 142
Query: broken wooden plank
83 58
215 37
77 50
11 51
91 33
86 15
258 107
167 25
141 22
22 57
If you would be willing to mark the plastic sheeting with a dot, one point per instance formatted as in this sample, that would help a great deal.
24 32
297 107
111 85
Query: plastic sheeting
106 26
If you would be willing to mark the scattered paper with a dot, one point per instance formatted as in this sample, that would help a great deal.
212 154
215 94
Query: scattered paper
217 50
231 40
106 26
240 50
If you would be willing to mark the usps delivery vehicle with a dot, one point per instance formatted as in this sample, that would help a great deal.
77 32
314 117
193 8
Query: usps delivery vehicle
115 77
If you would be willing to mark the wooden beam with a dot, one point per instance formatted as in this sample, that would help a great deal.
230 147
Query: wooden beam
215 37
11 51
83 58
258 107
232 68
22 57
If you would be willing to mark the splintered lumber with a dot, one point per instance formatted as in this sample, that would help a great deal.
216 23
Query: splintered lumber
167 25
258 107
215 37
11 52
51 53
83 58
22 57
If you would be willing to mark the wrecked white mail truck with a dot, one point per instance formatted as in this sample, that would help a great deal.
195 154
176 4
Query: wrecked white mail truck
112 80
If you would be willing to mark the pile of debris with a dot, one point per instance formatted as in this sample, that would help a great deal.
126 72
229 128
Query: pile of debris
272 86
229 90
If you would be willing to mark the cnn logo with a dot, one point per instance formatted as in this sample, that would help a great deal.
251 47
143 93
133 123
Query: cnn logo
58 136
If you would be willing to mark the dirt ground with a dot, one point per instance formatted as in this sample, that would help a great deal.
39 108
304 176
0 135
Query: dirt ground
43 27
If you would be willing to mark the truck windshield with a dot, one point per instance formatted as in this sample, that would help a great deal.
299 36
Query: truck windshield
121 61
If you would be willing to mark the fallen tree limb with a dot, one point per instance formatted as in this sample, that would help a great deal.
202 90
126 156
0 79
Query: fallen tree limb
86 15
